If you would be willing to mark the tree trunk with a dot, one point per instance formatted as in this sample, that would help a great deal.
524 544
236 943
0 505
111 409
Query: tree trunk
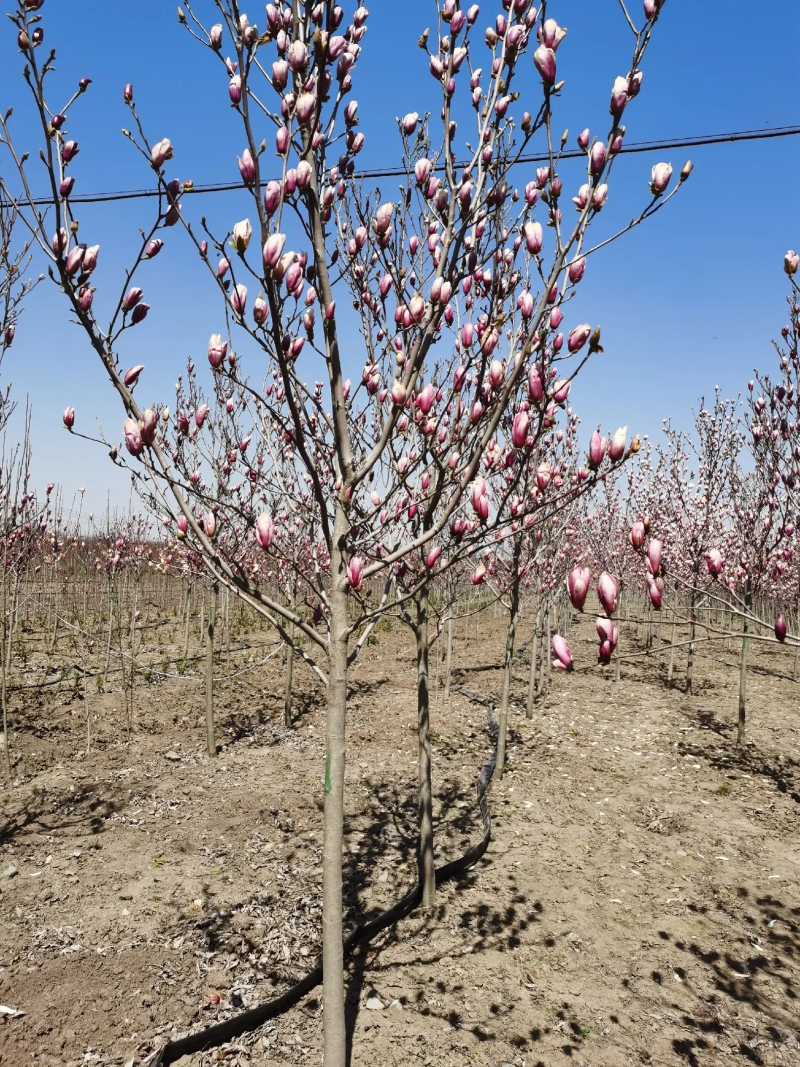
544 671
86 707
690 656
507 665
672 640
12 622
427 871
54 638
110 641
334 1032
287 693
132 681
211 744
449 668
535 637
186 620
3 694
743 673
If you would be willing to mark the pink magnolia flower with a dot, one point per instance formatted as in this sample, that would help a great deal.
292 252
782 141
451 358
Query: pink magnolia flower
261 310
654 552
597 449
597 157
659 178
432 557
265 530
637 535
563 656
131 376
544 59
75 259
422 170
273 248
160 153
608 592
654 591
242 232
535 383
409 122
607 630
148 425
714 561
551 34
578 337
480 501
425 399
239 299
69 417
619 97
354 570
578 582
532 231
616 446
247 167
576 270
133 438
519 432
217 350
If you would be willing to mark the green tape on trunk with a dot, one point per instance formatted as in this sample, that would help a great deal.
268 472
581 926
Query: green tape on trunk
328 773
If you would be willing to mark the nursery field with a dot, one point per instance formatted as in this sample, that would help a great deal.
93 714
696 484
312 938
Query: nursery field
399 536
638 902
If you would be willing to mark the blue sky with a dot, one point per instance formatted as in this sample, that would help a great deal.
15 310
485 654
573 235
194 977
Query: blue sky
689 300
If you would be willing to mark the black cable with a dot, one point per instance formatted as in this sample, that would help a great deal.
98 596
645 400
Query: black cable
400 172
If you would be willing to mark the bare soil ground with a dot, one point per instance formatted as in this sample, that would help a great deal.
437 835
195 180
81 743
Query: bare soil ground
639 903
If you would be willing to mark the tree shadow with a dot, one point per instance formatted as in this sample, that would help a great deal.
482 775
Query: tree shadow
760 972
381 839
747 758
239 725
389 841
481 928
55 811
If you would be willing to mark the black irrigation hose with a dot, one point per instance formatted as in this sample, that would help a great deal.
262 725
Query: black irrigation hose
212 1036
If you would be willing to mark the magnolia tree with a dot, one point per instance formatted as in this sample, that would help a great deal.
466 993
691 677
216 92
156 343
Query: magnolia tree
461 281
691 501
18 510
539 540
605 540
15 258
773 405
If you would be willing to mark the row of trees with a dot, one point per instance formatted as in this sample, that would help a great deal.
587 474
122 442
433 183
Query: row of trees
705 523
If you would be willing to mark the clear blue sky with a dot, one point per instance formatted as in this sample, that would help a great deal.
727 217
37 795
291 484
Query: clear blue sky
688 301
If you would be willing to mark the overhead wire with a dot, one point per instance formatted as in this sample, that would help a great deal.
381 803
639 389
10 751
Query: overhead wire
633 148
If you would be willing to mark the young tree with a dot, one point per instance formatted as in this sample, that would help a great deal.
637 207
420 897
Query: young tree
693 491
